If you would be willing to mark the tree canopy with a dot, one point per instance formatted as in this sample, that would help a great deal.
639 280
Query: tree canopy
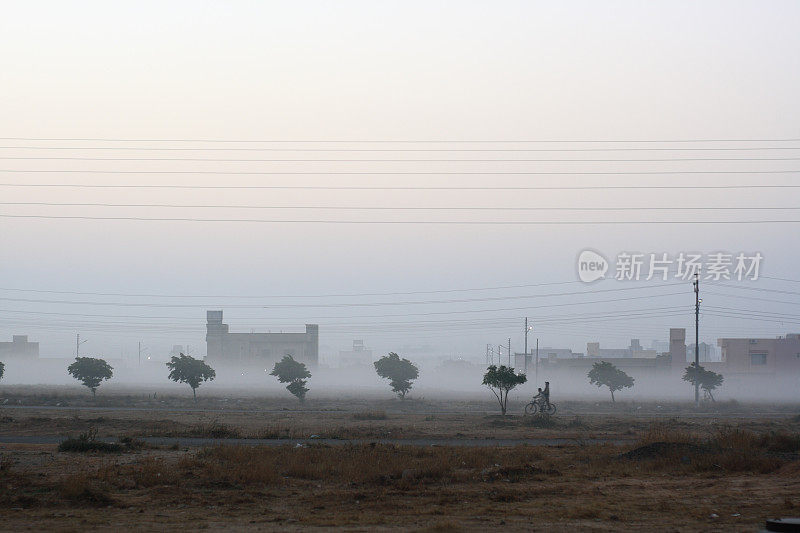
187 369
399 372
707 379
501 380
90 371
605 374
295 373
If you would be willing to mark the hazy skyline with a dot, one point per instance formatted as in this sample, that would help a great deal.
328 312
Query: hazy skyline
77 78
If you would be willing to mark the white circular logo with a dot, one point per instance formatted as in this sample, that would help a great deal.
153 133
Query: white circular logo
591 266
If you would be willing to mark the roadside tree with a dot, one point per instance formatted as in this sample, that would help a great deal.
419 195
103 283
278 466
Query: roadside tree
501 380
193 372
604 374
295 373
90 371
707 379
399 372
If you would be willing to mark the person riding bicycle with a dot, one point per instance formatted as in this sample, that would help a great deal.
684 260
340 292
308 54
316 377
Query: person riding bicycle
546 394
539 398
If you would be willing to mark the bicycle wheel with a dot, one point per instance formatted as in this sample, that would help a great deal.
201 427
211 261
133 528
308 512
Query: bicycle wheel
531 408
552 410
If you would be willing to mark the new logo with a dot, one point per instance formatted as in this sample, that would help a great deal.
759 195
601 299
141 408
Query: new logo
591 266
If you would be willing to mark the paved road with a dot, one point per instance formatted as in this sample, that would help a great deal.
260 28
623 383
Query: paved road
195 441
642 414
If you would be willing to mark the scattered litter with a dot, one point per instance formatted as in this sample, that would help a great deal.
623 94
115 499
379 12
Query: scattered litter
736 514
314 437
714 515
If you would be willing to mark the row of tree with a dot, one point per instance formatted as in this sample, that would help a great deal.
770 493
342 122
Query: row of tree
502 380
400 372
92 371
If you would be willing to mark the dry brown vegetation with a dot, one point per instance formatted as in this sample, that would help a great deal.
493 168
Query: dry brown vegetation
669 475
691 471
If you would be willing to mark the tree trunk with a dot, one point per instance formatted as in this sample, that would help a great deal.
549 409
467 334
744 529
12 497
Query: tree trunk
612 396
94 393
194 393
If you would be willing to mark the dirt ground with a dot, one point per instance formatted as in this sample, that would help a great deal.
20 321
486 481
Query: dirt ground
726 467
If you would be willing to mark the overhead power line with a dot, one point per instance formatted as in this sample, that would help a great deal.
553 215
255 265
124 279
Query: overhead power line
398 141
229 160
340 295
428 313
404 150
361 304
406 208
401 173
398 188
402 222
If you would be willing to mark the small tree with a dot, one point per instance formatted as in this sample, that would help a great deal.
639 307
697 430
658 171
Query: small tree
399 372
707 379
2 369
604 374
501 380
187 369
295 373
90 371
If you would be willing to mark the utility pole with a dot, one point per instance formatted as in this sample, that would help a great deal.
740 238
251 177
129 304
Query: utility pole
526 335
509 352
140 353
527 330
78 343
697 339
537 361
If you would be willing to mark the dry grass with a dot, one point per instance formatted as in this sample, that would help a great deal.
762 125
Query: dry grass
370 415
728 450
362 464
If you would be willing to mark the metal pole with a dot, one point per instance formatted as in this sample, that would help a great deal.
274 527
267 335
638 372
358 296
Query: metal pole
696 339
537 361
526 336
77 345
509 352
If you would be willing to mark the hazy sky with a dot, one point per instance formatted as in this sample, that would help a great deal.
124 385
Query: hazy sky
386 71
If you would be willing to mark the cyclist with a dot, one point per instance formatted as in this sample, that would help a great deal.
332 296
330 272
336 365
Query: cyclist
539 398
546 394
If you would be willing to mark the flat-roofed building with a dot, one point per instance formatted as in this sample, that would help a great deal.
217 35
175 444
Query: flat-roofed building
19 348
258 349
778 356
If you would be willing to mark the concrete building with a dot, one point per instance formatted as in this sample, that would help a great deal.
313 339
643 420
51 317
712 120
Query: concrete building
635 350
708 353
525 362
358 356
243 350
760 357
19 349
634 359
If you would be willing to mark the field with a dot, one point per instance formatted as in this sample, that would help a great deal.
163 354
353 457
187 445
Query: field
374 464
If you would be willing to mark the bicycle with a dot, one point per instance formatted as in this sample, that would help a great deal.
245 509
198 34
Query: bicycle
538 405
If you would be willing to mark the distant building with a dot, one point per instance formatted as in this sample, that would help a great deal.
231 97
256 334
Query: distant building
19 348
258 349
707 353
525 362
779 356
659 346
635 350
359 355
